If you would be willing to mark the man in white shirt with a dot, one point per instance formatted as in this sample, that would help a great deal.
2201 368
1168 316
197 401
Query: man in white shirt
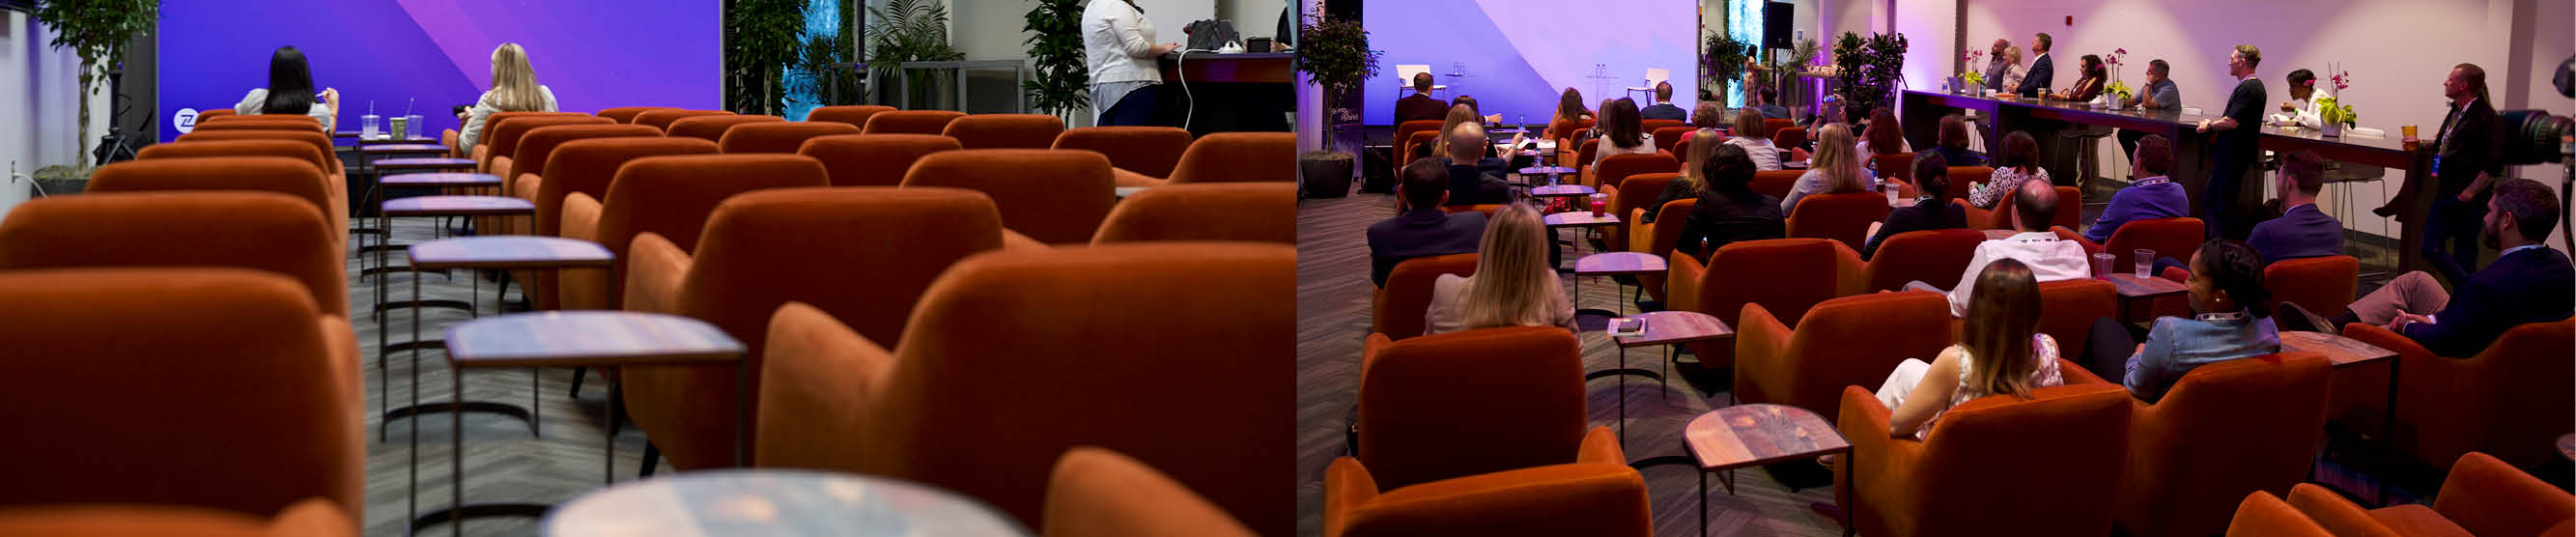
2049 258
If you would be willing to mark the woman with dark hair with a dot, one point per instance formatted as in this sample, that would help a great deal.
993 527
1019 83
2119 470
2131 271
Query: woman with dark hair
1954 143
2228 322
1729 210
1622 132
2018 162
290 91
1883 136
1931 209
1569 116
2090 85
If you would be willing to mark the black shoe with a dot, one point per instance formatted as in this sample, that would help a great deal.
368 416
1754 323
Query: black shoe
2385 211
2292 318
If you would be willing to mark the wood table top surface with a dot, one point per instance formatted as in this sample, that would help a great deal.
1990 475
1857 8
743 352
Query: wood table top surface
776 502
1613 263
1562 191
458 206
389 149
1758 434
2343 351
587 338
1544 170
442 179
423 163
509 252
2132 287
1579 219
382 138
1670 327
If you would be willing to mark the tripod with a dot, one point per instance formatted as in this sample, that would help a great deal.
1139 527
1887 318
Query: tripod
116 146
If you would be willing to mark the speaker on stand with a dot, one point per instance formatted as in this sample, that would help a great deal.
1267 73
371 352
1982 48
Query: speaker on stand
116 146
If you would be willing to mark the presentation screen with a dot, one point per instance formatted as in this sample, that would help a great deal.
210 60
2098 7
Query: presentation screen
430 56
1516 56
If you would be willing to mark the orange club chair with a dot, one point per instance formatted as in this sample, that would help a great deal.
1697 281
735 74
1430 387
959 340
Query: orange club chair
1005 131
263 231
317 140
1961 176
712 128
1776 183
1239 157
537 148
308 518
1397 310
1933 256
1844 217
626 114
662 118
481 152
873 159
855 116
1652 125
586 167
778 136
910 121
2483 495
1630 198
282 175
1898 167
1101 493
1584 153
1151 152
1658 239
2323 285
2265 515
1073 372
2510 394
334 178
501 147
1796 274
2271 408
1945 483
214 113
1055 197
1254 212
669 195
1853 340
1404 140
763 249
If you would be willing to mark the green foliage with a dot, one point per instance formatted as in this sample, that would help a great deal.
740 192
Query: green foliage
1725 59
1335 54
906 31
1869 68
764 39
97 30
822 57
1805 54
1055 45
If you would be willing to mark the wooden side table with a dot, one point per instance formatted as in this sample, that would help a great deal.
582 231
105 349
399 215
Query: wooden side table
431 206
1662 328
776 502
449 179
1753 435
2136 293
2346 352
574 339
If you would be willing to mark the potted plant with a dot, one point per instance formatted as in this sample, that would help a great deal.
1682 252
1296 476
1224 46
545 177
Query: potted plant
762 40
97 30
1804 56
2333 116
1723 61
1334 54
907 31
1055 45
1869 69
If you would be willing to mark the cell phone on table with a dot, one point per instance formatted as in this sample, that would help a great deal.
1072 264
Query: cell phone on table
1627 327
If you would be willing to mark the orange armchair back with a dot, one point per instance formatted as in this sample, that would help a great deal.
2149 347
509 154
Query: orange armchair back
283 175
540 144
492 123
1422 418
856 116
1960 176
1404 140
507 134
910 121
316 139
1853 340
671 196
1260 212
712 128
1152 151
1600 499
1842 217
662 119
2268 407
1898 166
873 159
101 361
1056 197
778 136
240 148
1975 472
2513 393
1794 275
2069 307
1776 183
1239 157
1005 131
2177 238
1668 139
1771 127
1661 237
587 166
1934 256
2323 285
249 230
1791 137
1399 307
1630 198
626 114
1618 168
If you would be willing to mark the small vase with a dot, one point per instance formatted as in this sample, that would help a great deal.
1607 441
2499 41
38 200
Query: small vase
2331 130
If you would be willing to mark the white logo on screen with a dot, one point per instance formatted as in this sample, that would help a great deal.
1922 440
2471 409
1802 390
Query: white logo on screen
186 120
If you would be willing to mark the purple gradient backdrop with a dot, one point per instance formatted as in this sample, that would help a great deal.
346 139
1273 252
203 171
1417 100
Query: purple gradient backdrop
594 54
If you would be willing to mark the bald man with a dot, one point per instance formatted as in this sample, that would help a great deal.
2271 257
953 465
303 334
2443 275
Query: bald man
1473 179
2049 258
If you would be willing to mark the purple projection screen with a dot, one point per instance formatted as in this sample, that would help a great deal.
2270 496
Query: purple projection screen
437 54
1517 55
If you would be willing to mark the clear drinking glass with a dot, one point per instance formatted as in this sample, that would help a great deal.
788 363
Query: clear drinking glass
413 131
2102 263
370 122
2146 262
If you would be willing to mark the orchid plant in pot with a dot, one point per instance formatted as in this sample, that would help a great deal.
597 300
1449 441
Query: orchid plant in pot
2333 116
1970 76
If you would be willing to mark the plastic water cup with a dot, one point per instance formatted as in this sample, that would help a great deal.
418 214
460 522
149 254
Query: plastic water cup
2146 262
414 130
399 122
2102 265
371 122
1889 187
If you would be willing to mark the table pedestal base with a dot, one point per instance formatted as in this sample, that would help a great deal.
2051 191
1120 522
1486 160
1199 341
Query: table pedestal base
487 407
478 510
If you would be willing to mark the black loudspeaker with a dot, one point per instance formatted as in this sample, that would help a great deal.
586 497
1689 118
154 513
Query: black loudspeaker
1777 18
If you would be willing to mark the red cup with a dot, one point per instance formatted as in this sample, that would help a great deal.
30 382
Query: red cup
1599 203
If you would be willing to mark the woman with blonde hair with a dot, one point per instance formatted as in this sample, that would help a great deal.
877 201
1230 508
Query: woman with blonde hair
2000 352
1699 145
2013 69
514 89
1513 285
1755 140
1440 142
1836 169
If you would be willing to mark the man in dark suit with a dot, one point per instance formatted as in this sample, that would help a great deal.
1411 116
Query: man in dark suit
1420 105
2470 158
2302 230
1931 210
1663 108
2043 73
2529 282
1421 229
2235 145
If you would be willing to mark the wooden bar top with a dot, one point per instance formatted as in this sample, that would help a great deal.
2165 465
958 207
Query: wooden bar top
442 179
2132 287
1758 434
1614 263
458 206
1579 219
1670 327
2343 351
424 163
587 338
508 252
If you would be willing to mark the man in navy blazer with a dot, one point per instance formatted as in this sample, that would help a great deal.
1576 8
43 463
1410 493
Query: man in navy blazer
2302 230
2528 283
2043 73
1422 230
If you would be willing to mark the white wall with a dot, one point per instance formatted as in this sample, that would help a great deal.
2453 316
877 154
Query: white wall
1252 18
39 118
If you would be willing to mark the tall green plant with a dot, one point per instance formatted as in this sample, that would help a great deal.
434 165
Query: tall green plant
97 30
1335 54
1723 60
1055 45
764 42
906 31
1869 69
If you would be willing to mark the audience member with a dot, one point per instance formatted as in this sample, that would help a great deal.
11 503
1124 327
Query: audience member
514 89
2043 72
1763 104
1439 146
1419 228
1755 140
1513 285
1663 108
1954 143
1931 209
1470 102
1569 116
1692 181
2302 230
2529 282
2159 93
1835 170
290 91
1703 117
1729 210
2016 164
1474 180
1420 105
2234 148
2034 206
1883 136
1622 132
2151 197
2000 352
2228 322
